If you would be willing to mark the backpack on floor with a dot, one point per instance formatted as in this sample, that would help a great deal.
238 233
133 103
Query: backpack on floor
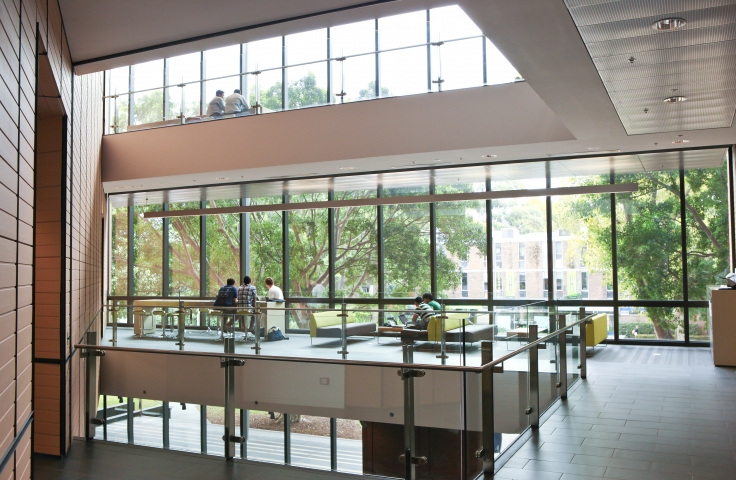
275 334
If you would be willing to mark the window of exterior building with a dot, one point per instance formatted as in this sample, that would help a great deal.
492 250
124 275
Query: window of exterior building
522 285
584 283
465 285
558 254
558 283
522 255
499 256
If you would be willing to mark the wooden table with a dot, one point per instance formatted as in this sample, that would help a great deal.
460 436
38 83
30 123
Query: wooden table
389 332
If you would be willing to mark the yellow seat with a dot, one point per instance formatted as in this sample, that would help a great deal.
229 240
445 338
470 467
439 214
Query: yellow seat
326 319
597 330
453 321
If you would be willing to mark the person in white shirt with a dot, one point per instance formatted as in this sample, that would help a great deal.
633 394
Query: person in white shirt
236 103
216 107
274 292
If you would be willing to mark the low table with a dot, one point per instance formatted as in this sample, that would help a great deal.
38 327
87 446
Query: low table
389 332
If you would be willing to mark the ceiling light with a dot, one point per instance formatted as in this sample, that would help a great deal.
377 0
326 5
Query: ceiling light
675 99
220 178
681 141
489 155
669 24
346 168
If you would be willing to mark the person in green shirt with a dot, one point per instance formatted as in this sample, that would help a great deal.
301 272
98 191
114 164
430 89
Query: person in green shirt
429 300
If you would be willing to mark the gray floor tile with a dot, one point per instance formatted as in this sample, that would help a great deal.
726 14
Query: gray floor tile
577 450
524 474
619 444
627 474
563 467
653 457
569 476
612 462
701 471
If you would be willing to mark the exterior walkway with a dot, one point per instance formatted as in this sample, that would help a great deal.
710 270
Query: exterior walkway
645 413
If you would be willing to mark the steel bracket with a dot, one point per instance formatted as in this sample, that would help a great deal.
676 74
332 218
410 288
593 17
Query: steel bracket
414 460
231 362
410 373
92 353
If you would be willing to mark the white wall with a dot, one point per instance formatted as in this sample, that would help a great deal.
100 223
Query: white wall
375 131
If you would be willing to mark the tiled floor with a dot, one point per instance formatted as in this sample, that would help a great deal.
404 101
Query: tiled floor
644 413
98 461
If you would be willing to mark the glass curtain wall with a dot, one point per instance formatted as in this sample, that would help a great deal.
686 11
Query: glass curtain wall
644 258
410 53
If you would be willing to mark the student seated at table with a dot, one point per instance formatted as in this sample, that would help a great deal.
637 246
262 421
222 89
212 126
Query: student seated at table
420 320
227 296
428 298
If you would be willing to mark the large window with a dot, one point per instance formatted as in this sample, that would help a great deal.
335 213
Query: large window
414 52
184 253
618 253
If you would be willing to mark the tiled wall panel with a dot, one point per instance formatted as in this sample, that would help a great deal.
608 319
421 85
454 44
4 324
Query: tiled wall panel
50 272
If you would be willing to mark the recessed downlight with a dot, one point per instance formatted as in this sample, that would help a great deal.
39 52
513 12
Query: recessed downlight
681 141
666 24
675 99
489 155
346 168
220 178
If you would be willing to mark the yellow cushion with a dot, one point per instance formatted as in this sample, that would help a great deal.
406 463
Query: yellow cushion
453 321
326 319
597 330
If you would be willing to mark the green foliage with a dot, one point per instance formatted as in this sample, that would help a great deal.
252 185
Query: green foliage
649 235
369 92
625 329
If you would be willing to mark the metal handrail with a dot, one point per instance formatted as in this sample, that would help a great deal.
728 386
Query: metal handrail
533 344
340 362
236 309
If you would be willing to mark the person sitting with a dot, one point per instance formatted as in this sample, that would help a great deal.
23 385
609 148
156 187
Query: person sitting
274 292
236 103
421 318
216 107
429 300
227 296
247 298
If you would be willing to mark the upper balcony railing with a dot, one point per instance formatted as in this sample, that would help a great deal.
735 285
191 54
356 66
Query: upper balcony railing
179 90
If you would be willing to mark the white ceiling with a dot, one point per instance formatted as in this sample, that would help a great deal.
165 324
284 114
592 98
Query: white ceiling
105 34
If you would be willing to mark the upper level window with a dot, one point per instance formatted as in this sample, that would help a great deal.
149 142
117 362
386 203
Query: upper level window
558 254
499 256
409 53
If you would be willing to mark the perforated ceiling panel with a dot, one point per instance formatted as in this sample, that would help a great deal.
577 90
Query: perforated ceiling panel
641 66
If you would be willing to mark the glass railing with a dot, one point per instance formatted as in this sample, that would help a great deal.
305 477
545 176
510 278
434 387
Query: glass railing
337 79
389 410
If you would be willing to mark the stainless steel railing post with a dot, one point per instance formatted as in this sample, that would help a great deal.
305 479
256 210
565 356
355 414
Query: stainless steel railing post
260 308
229 398
487 451
343 334
114 339
91 397
563 359
180 343
443 339
533 410
229 364
583 342
408 457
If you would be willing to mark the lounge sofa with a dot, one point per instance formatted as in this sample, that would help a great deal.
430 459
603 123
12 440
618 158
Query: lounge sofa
329 325
457 329
597 331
